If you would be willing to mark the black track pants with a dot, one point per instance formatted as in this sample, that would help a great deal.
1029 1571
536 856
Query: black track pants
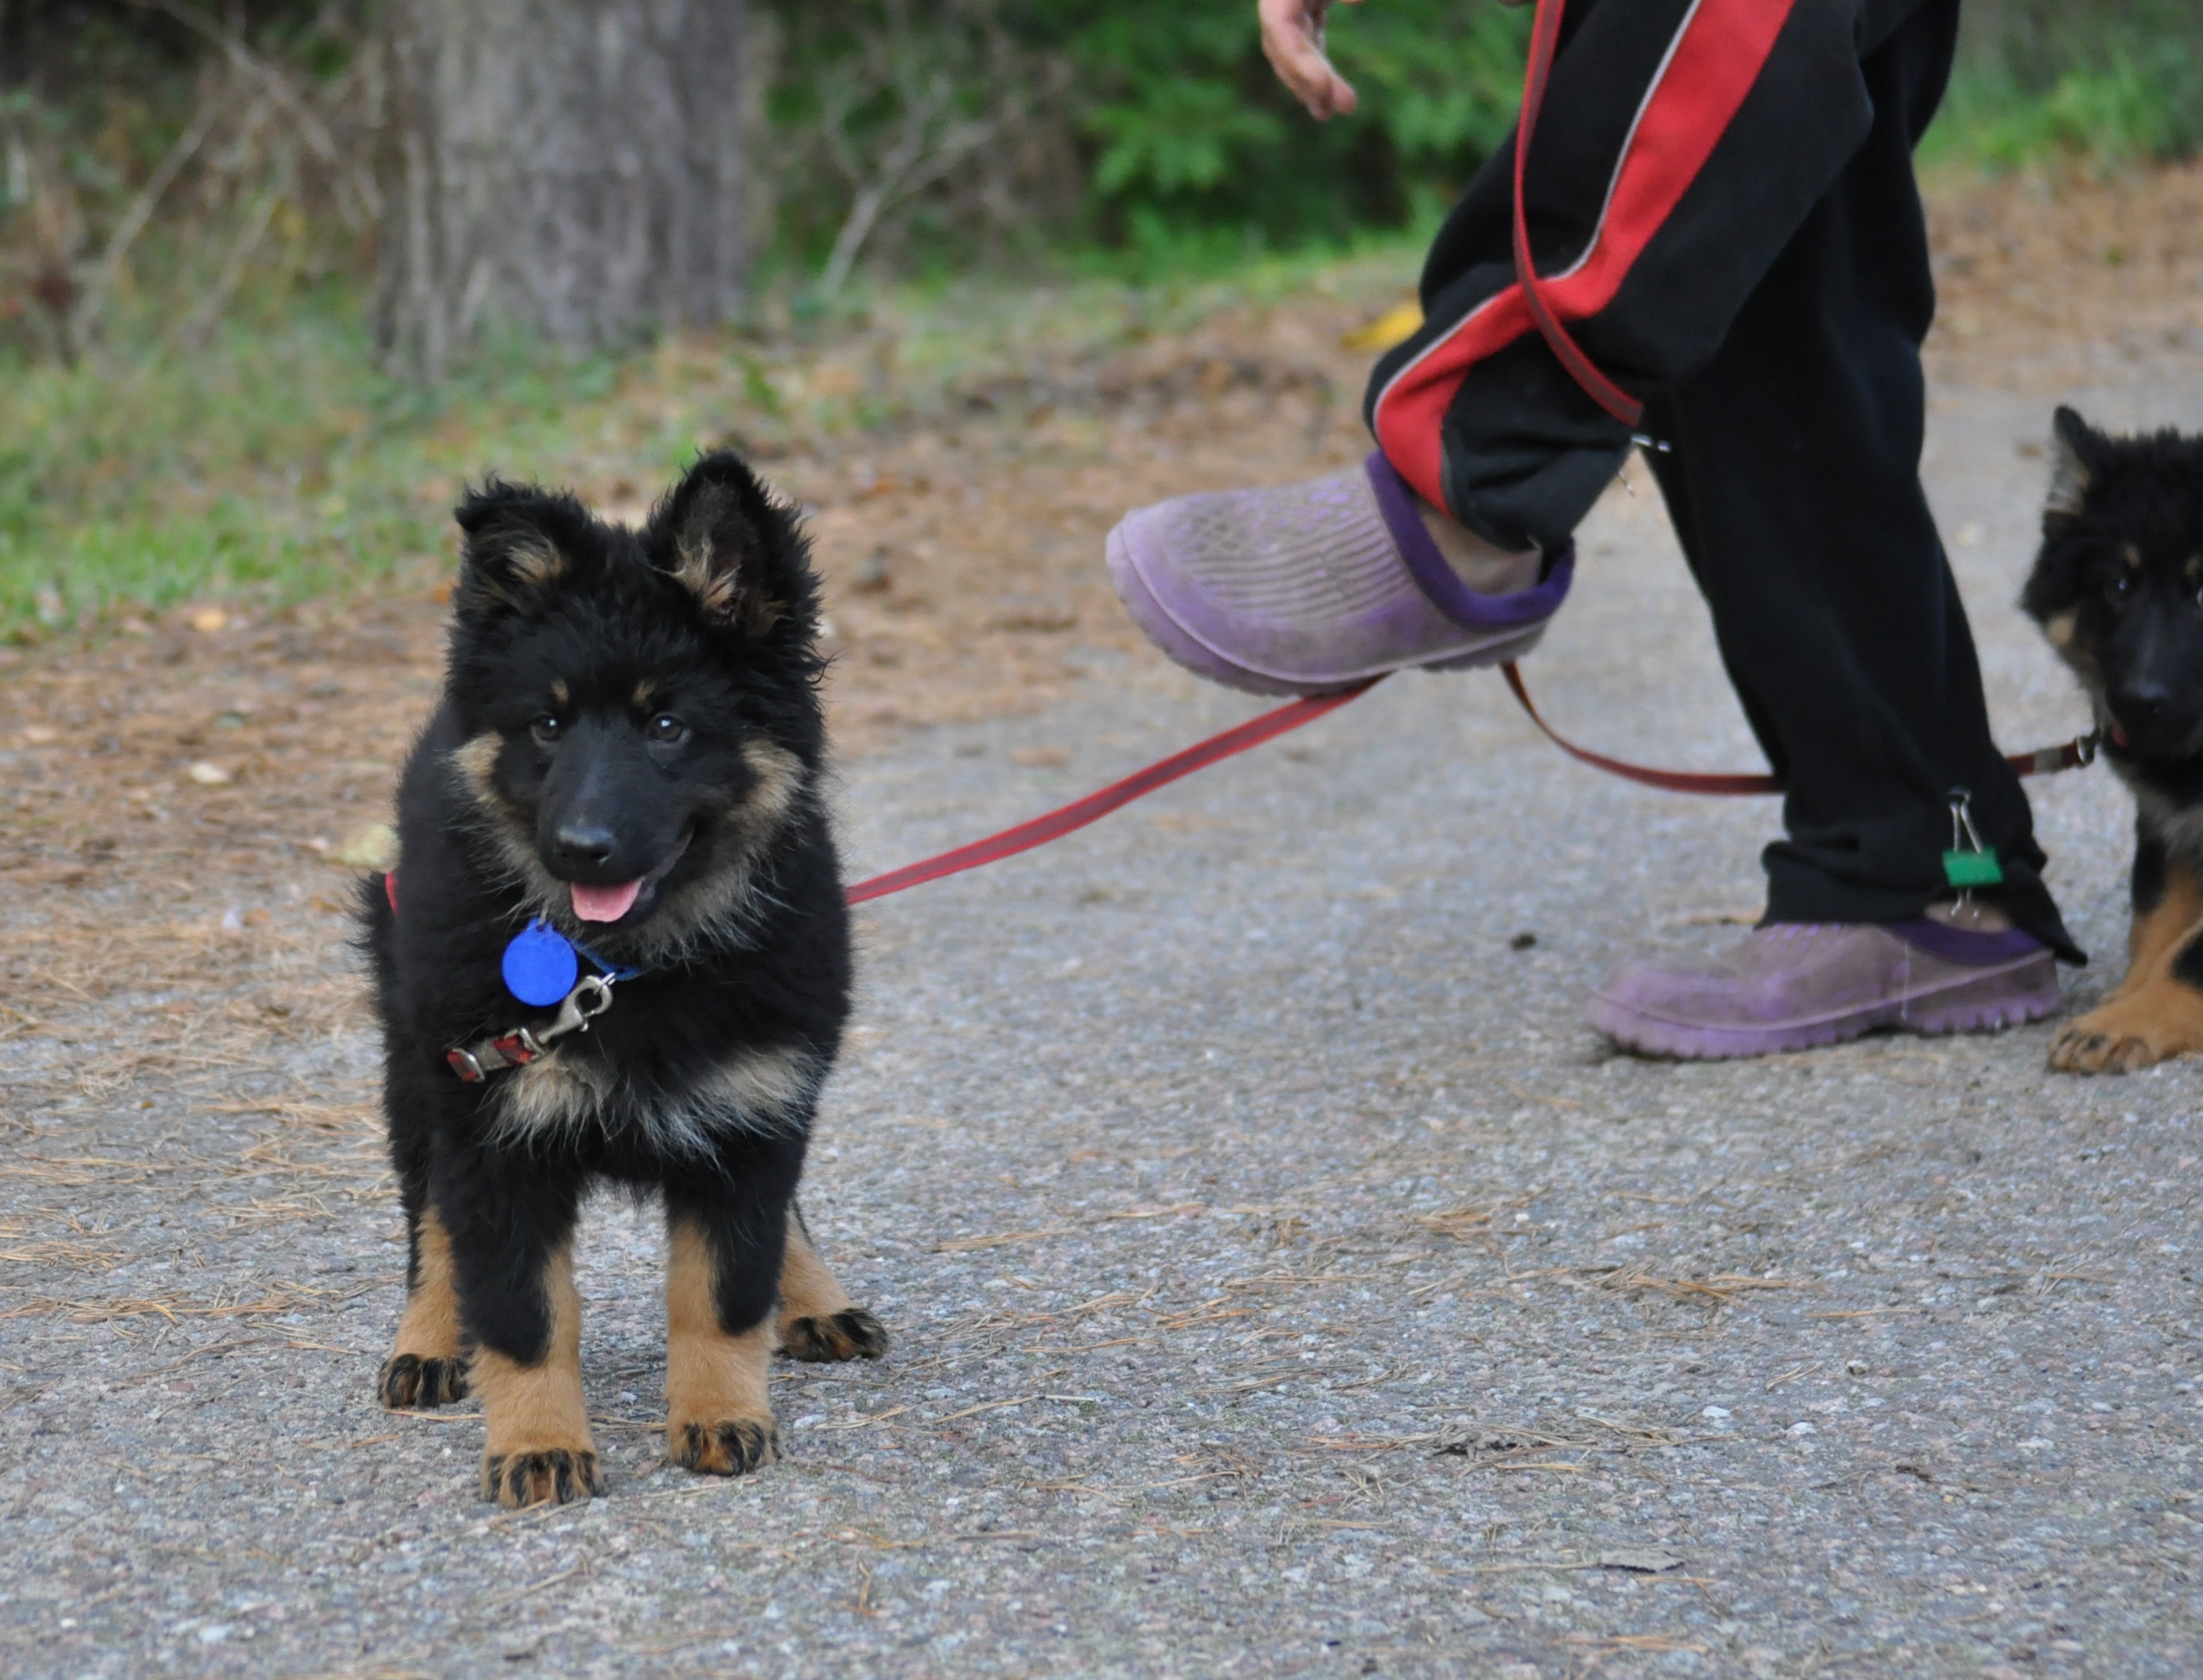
1721 196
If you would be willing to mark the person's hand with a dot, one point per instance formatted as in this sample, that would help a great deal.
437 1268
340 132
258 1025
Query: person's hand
1292 40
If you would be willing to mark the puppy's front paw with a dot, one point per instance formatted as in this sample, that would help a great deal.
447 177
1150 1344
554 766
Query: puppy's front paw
551 1475
731 1447
2136 1031
410 1382
851 1333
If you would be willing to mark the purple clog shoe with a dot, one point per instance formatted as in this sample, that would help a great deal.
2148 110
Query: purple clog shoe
1795 984
1315 587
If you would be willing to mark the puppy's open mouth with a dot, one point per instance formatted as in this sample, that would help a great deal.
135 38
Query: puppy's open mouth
611 904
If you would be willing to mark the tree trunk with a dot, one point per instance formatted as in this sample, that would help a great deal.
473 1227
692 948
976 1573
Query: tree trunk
571 168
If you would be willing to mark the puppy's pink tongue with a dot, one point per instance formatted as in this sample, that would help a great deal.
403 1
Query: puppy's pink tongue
604 904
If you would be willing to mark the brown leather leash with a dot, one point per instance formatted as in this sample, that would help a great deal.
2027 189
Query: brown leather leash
2073 755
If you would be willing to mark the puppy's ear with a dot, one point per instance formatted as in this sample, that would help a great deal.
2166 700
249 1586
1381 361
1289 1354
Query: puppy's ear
519 540
2074 444
725 540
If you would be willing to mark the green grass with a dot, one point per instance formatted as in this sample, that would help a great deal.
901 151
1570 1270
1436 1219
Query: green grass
278 462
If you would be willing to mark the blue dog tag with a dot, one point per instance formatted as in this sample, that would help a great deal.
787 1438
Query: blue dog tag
539 966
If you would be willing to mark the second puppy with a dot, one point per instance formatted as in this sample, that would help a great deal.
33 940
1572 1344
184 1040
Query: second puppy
2118 590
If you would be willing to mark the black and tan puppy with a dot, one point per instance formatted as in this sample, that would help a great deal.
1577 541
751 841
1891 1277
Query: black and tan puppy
2118 590
614 949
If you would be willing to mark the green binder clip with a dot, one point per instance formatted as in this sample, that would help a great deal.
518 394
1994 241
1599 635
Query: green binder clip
1968 863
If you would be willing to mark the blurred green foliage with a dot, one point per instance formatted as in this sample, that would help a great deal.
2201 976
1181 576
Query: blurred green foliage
1160 131
1186 127
2104 82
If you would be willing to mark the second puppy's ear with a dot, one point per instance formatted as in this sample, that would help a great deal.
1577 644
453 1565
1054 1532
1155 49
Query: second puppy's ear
725 540
519 540
2073 447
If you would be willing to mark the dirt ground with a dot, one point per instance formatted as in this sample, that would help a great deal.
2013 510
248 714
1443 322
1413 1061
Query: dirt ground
964 581
184 805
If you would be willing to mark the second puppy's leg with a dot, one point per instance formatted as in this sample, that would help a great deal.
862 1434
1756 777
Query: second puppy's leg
2157 1011
721 1277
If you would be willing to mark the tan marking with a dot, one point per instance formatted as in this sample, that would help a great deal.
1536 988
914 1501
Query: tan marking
565 1092
560 695
719 1418
697 566
2157 931
427 1367
646 692
779 775
2141 1023
2179 826
808 1289
758 1087
510 553
818 1320
476 762
534 1419
2131 553
561 1092
533 560
2070 477
430 1329
2193 568
2059 628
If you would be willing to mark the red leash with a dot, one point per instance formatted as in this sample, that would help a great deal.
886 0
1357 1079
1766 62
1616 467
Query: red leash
1544 38
1066 819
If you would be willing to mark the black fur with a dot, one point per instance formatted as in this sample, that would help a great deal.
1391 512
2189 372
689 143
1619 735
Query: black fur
2118 586
546 765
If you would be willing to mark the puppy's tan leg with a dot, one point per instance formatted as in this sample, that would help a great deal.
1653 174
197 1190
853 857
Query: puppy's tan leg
818 1320
717 1418
2158 1013
539 1446
2173 911
427 1367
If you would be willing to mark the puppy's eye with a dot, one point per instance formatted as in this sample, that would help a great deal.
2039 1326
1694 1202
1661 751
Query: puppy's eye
2117 591
546 729
667 730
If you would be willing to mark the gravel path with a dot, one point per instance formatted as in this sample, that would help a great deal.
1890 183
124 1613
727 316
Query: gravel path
1283 1281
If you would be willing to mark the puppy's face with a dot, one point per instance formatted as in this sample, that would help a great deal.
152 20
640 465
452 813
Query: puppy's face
2118 586
639 707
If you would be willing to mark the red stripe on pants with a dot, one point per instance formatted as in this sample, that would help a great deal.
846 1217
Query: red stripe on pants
1723 46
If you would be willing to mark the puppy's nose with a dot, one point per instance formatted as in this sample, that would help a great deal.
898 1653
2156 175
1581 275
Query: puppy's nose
2140 703
585 845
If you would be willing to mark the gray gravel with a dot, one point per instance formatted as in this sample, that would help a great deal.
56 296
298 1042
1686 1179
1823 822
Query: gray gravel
1284 1280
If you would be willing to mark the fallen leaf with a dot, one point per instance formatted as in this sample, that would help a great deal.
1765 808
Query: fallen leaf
1395 326
208 620
209 774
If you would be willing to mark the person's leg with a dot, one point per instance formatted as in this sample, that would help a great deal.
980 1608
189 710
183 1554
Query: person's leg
1681 144
1794 485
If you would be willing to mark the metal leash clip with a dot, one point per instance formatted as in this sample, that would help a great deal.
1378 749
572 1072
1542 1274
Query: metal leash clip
1968 863
590 998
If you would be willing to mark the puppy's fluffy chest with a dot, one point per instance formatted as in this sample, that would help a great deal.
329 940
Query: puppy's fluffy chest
577 1095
